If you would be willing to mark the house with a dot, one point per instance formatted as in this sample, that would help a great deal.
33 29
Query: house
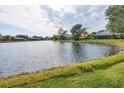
5 38
103 34
19 39
22 36
83 35
34 38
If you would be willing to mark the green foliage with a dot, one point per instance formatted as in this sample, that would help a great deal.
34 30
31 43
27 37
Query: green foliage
92 35
7 38
115 15
61 33
55 37
77 30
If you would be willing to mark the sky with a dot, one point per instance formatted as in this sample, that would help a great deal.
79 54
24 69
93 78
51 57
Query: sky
44 20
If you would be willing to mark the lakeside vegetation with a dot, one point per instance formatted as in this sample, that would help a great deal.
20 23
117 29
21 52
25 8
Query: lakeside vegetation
104 72
18 38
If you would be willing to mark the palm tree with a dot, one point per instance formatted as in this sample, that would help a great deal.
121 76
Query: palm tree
61 33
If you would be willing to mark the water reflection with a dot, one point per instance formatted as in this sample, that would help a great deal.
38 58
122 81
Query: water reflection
21 57
78 50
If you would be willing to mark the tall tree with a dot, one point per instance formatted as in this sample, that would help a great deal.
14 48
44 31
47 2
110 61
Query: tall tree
7 38
61 33
115 16
92 35
76 31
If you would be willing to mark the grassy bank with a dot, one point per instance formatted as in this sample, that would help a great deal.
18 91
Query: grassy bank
104 72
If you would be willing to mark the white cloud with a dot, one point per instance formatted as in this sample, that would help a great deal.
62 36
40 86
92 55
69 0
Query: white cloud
40 20
92 8
63 9
31 18
93 12
94 15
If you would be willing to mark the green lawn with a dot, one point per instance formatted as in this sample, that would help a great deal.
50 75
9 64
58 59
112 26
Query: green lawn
105 72
110 77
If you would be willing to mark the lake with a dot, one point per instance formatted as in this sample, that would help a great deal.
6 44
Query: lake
21 57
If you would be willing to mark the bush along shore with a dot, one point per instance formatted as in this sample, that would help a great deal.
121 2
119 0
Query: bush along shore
104 72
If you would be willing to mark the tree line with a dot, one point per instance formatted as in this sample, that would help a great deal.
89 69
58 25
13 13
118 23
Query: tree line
7 38
114 15
75 31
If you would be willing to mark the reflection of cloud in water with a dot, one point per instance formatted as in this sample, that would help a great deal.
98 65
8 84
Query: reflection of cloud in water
21 57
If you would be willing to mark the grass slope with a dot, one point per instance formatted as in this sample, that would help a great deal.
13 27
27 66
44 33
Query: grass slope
105 72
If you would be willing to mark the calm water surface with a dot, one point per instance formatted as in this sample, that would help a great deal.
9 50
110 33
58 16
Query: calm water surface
21 57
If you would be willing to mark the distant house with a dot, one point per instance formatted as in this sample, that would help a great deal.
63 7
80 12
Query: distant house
83 35
5 38
19 39
21 36
33 38
103 34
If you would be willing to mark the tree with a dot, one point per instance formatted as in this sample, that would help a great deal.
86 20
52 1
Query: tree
61 33
55 37
115 16
92 35
77 30
7 38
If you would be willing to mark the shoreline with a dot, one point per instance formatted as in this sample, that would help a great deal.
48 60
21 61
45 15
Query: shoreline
90 66
22 73
21 41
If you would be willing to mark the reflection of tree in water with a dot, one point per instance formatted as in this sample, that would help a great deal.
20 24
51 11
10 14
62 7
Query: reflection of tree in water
78 51
76 47
62 42
113 50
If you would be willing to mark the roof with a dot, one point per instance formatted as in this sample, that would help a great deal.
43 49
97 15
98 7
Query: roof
105 32
84 32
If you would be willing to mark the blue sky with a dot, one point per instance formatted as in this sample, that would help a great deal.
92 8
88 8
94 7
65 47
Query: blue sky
6 29
46 19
